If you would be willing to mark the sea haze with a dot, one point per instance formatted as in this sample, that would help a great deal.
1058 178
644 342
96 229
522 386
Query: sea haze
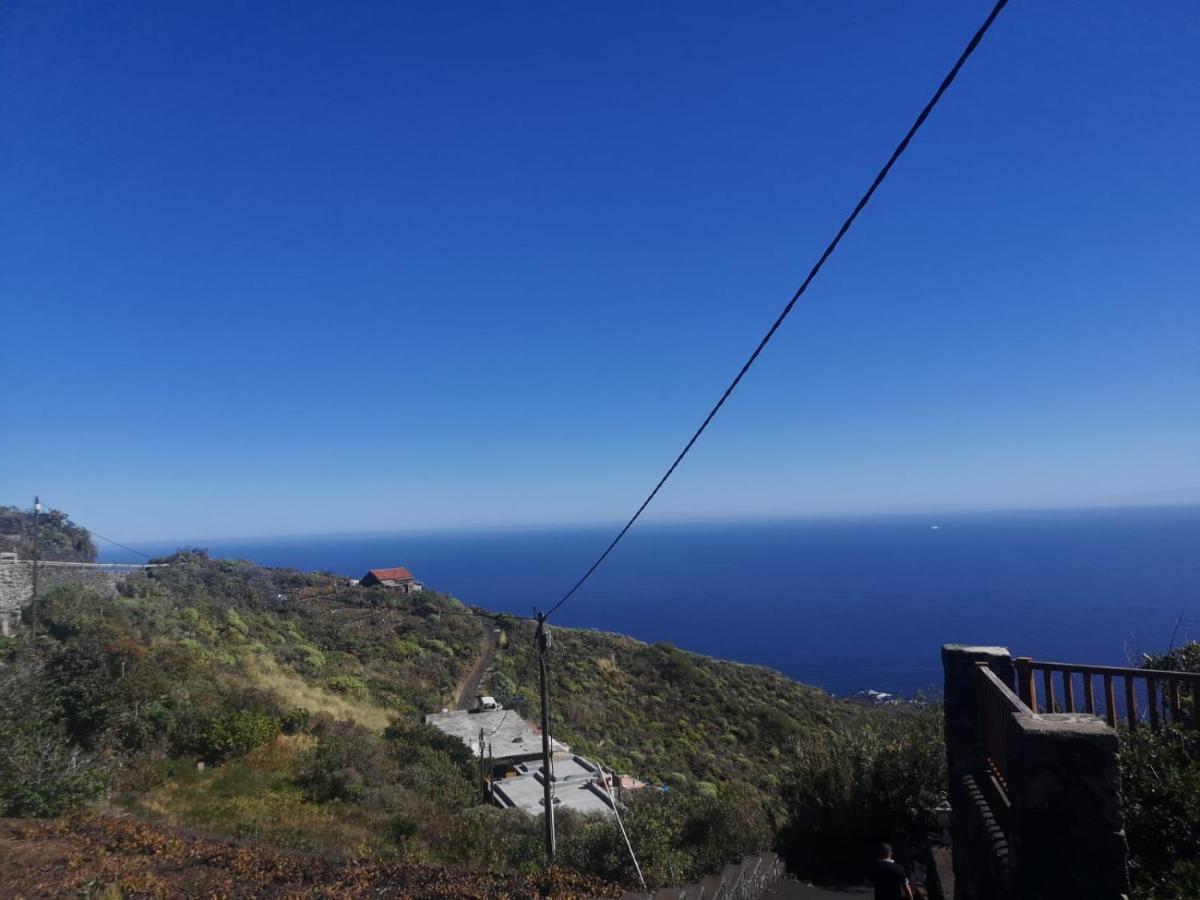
847 604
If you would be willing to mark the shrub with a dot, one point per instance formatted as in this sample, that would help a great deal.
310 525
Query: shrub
41 772
217 734
678 836
849 788
1160 795
348 685
501 687
237 731
347 763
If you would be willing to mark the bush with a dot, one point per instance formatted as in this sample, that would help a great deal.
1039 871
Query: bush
348 762
237 731
1160 796
501 687
678 836
217 734
850 788
41 772
348 685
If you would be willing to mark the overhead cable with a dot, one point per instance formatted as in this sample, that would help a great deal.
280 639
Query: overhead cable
833 244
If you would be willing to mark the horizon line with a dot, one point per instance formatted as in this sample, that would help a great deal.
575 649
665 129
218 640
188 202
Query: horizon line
590 524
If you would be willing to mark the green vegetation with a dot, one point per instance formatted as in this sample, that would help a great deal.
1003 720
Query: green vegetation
878 778
1160 786
287 708
670 716
59 538
821 780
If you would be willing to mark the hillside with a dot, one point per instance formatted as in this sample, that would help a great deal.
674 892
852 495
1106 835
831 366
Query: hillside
59 538
286 709
78 856
665 714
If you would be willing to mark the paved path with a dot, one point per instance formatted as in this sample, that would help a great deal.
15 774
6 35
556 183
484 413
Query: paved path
466 697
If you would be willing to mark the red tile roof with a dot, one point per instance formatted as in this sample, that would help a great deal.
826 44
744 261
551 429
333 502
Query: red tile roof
399 573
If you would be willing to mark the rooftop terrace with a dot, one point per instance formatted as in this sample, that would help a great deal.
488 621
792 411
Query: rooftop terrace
575 787
511 736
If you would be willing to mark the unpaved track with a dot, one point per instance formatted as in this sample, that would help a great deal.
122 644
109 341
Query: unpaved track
466 696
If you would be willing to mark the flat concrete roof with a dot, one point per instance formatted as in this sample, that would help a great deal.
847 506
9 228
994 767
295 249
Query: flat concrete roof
525 792
513 737
564 769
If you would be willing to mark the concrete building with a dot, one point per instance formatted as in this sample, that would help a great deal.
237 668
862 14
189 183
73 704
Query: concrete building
397 577
513 748
512 740
577 785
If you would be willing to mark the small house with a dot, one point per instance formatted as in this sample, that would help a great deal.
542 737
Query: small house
398 578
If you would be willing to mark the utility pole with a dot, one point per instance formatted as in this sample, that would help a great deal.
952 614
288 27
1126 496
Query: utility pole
482 762
37 512
543 641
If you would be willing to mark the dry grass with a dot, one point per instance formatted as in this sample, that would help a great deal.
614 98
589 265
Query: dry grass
256 798
103 858
295 691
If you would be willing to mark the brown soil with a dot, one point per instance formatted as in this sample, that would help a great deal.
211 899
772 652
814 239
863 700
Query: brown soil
470 685
98 857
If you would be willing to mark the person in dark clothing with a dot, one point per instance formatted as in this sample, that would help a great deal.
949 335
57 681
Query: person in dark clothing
891 882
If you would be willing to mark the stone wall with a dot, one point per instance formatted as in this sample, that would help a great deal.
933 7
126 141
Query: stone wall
16 583
1051 827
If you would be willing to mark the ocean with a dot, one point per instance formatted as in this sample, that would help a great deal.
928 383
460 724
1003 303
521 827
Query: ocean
845 604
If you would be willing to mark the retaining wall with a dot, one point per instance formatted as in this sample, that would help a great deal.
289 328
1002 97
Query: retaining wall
16 583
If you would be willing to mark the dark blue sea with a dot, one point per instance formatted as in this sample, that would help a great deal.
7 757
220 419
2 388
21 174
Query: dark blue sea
847 604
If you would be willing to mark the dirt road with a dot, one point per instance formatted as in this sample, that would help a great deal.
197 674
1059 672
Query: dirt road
470 687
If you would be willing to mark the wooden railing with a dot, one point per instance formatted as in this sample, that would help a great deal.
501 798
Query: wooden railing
997 703
1153 696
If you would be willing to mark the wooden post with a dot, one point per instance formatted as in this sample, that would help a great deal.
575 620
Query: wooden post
1174 694
1048 684
37 556
1089 696
1131 703
543 640
1152 700
1025 686
1068 690
1110 700
491 775
482 760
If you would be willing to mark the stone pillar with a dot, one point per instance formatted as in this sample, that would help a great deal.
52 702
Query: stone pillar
972 879
960 696
1063 832
1068 838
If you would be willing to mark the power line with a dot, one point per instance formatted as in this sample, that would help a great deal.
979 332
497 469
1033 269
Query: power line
111 541
605 780
116 543
841 232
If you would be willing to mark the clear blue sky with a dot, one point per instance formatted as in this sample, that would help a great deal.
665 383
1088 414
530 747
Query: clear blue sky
277 268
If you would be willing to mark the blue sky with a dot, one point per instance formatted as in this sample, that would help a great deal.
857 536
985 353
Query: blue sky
280 268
